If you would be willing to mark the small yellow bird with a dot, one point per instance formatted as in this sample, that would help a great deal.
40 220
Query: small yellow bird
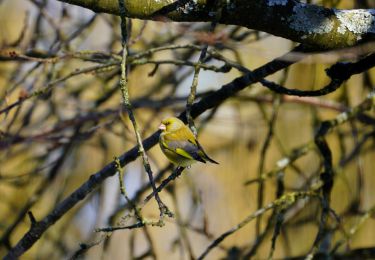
179 144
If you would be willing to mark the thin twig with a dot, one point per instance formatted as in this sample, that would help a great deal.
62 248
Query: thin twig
194 84
284 202
125 95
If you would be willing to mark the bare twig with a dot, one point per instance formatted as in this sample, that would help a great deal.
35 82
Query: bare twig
125 95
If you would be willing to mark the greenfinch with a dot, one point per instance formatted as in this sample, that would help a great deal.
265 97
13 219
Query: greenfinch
179 144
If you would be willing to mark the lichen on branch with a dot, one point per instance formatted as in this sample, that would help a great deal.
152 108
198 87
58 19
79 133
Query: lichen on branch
310 24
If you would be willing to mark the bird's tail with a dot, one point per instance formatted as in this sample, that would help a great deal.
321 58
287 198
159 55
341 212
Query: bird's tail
211 160
207 158
204 155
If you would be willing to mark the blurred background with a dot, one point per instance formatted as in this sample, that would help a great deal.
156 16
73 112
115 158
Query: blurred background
62 120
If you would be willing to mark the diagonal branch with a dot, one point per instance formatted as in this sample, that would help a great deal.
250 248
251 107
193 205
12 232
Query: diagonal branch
95 180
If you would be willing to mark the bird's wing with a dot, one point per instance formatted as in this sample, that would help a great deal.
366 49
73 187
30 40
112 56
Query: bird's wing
184 148
184 133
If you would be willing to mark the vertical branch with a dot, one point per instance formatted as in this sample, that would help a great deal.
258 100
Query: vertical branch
124 192
327 179
276 232
327 176
193 90
265 147
194 84
125 95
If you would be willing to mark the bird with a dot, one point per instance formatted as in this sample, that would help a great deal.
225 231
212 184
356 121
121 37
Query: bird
179 144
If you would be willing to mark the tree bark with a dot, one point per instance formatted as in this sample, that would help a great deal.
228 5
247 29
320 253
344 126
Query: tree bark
305 23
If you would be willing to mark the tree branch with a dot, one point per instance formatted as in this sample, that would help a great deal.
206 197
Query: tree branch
305 23
208 102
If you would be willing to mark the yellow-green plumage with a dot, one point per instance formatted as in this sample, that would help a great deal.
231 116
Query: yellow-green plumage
178 143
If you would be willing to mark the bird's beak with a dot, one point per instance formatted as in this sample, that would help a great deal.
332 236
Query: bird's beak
162 127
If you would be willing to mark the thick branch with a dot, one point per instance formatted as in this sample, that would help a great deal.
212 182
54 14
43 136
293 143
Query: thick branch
309 24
